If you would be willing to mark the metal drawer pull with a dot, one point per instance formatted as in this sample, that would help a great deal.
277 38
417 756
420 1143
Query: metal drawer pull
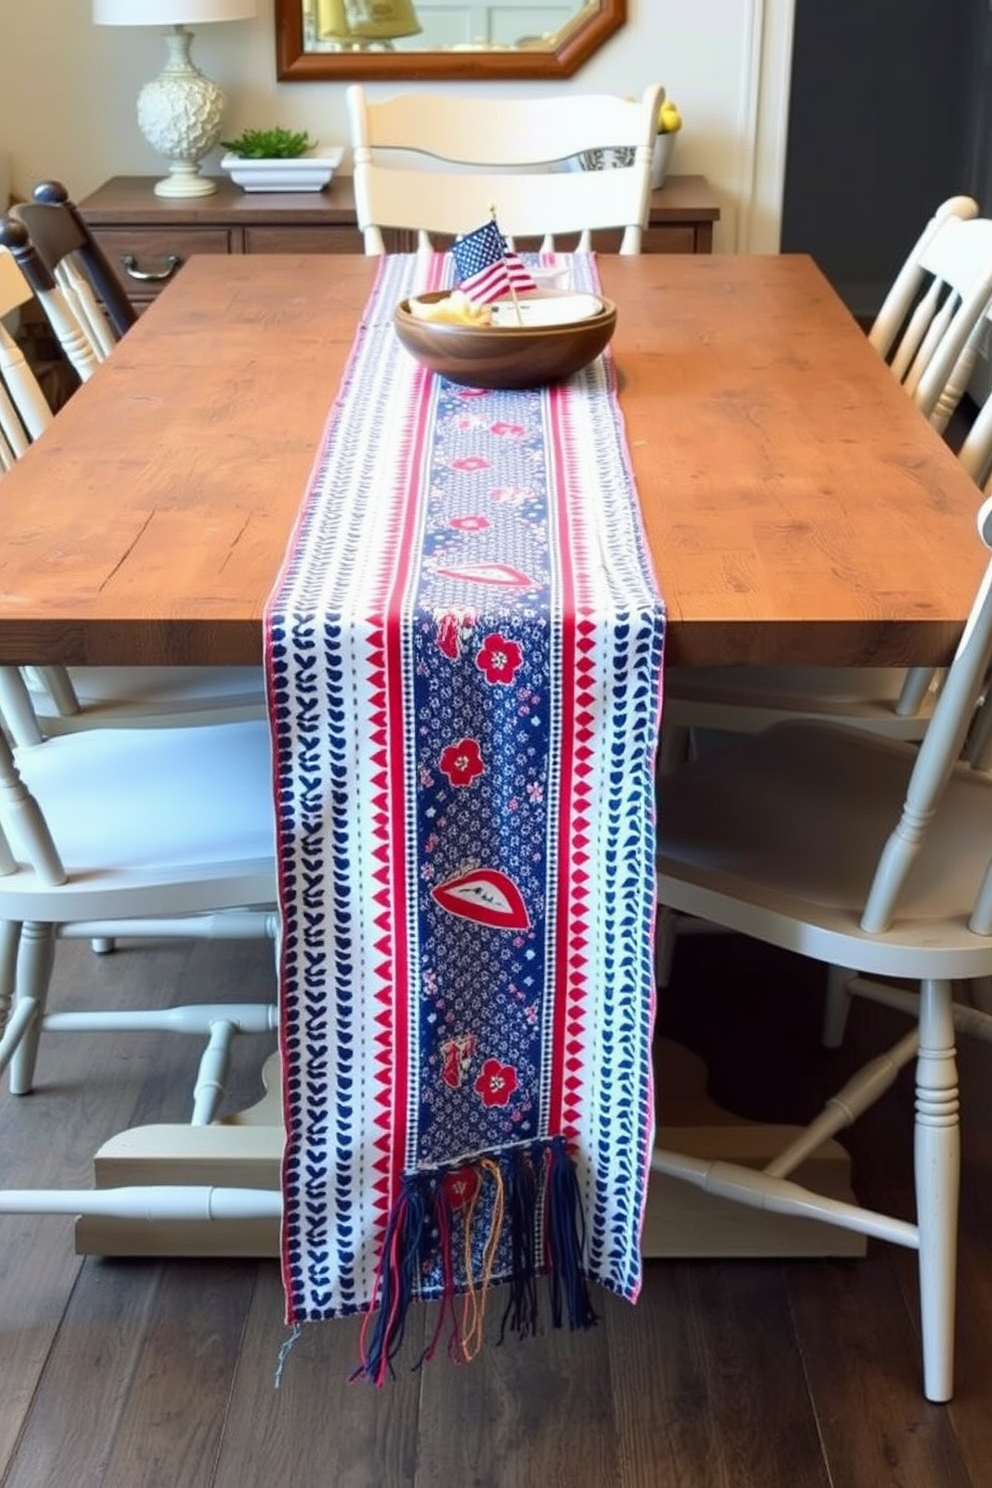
172 263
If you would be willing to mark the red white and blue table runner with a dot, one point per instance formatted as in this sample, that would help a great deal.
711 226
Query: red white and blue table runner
464 653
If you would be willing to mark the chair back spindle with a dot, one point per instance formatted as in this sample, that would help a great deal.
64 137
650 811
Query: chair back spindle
906 285
58 686
24 412
20 815
934 354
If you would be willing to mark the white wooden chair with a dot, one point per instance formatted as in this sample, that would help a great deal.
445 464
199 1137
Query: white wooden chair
856 850
24 411
928 330
916 312
437 163
67 699
143 832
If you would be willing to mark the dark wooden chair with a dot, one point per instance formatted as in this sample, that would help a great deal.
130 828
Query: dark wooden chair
71 335
78 264
67 700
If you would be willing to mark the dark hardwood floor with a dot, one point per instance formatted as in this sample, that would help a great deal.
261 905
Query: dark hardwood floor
757 1374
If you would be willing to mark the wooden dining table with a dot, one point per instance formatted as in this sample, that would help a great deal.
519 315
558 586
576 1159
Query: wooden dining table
797 506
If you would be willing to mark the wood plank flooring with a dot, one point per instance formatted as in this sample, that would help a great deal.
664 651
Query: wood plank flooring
755 1374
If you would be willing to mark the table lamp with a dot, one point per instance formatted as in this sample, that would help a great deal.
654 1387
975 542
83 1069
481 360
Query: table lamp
180 112
360 23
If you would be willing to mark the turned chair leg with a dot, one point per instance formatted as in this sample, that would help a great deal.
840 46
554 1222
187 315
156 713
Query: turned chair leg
35 963
674 748
937 1160
836 1007
665 932
10 939
980 990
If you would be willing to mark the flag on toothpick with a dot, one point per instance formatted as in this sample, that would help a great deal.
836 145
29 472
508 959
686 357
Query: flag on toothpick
486 267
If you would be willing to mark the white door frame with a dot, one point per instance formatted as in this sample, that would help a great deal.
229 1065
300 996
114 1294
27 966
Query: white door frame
763 124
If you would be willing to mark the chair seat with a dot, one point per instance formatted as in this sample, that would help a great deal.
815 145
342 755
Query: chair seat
155 694
746 699
785 828
150 821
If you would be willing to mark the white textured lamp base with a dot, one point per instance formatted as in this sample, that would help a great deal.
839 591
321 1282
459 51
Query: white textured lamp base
185 180
179 113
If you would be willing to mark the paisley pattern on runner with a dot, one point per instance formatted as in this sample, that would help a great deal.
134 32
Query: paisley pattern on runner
464 653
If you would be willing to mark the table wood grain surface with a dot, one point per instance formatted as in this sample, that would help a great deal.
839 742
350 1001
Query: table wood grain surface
797 506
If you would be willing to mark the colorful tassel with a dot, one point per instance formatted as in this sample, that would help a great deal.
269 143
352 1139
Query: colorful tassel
500 1204
444 1225
477 1289
565 1240
383 1329
521 1314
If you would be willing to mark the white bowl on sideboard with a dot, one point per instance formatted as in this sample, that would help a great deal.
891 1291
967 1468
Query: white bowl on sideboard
310 172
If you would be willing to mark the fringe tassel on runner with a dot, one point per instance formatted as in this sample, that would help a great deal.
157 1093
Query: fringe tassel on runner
458 1230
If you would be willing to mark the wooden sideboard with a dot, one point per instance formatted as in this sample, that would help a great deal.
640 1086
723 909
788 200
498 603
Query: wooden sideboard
148 237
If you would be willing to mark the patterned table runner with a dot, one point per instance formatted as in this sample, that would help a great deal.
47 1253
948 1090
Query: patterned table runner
464 652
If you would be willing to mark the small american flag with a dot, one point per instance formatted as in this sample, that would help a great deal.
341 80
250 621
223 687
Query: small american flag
486 267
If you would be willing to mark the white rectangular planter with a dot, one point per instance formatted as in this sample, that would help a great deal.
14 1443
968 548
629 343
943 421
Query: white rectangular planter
310 172
664 144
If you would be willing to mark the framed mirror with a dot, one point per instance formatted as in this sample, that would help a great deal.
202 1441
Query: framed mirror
345 40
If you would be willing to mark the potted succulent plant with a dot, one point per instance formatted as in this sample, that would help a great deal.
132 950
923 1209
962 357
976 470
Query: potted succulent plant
279 159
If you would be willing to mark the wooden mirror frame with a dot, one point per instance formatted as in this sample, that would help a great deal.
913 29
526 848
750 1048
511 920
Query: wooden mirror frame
576 42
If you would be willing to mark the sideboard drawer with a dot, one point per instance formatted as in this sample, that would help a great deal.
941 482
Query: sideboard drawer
302 240
672 240
146 258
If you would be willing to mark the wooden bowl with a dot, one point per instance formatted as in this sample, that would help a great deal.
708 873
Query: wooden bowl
504 356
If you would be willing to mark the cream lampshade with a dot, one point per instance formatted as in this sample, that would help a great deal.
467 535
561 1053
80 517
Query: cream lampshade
180 112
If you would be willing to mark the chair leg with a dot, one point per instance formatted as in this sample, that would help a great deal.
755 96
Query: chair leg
665 931
980 990
35 962
16 1014
10 939
837 1007
674 748
937 1160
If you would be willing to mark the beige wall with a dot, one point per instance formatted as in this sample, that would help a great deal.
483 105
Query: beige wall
68 89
